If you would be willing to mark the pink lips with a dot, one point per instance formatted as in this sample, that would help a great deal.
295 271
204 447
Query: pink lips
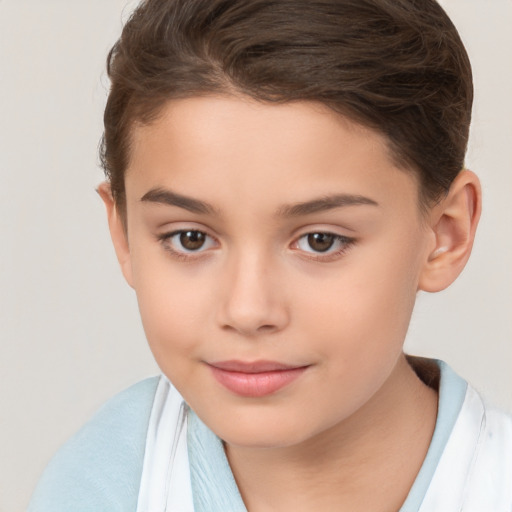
255 379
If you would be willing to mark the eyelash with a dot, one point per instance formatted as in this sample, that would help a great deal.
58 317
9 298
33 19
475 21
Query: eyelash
165 240
346 244
324 257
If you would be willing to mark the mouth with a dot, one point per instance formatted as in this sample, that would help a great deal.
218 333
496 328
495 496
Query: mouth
255 379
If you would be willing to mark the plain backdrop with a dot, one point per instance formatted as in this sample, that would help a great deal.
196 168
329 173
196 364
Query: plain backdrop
70 332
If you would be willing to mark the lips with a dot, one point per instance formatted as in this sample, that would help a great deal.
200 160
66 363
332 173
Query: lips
255 379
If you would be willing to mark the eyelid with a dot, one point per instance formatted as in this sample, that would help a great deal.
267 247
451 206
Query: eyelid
186 255
172 228
324 257
190 255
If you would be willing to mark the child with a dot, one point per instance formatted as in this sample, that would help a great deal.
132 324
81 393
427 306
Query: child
283 176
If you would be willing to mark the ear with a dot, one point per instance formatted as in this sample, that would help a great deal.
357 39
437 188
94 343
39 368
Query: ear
118 232
454 221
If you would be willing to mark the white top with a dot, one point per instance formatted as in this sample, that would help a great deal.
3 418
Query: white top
468 467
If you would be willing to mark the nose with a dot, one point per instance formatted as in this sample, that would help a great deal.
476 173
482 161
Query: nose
253 301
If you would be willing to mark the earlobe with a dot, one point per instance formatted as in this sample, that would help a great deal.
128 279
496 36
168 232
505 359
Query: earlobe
118 231
454 222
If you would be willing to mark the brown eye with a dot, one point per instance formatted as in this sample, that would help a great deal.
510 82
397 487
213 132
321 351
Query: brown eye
324 244
321 242
186 241
192 240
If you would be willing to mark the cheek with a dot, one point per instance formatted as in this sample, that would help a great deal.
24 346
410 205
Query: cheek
172 307
360 327
364 311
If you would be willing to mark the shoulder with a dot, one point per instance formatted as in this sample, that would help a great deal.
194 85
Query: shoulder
495 442
494 426
490 468
469 463
99 468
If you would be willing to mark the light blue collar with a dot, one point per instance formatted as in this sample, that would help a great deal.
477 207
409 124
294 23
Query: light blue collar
213 486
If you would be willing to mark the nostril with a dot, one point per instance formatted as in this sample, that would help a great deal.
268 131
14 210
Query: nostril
264 328
250 331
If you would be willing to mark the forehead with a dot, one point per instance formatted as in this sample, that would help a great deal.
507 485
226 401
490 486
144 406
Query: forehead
204 119
232 147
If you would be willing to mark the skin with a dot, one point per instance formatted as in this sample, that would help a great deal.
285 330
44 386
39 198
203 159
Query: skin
259 290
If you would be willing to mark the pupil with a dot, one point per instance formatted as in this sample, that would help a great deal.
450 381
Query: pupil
320 242
192 240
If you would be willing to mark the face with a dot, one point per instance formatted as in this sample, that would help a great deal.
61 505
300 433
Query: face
276 252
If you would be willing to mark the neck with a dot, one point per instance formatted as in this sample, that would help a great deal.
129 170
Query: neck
367 462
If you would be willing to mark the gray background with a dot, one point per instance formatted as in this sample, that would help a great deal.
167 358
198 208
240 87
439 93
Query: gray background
70 333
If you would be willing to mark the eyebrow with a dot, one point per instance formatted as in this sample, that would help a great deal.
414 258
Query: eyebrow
330 202
325 203
163 196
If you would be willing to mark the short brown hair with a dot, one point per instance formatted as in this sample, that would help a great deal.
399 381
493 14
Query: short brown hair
397 66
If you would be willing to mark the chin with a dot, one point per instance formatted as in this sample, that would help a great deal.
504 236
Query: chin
262 440
264 434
